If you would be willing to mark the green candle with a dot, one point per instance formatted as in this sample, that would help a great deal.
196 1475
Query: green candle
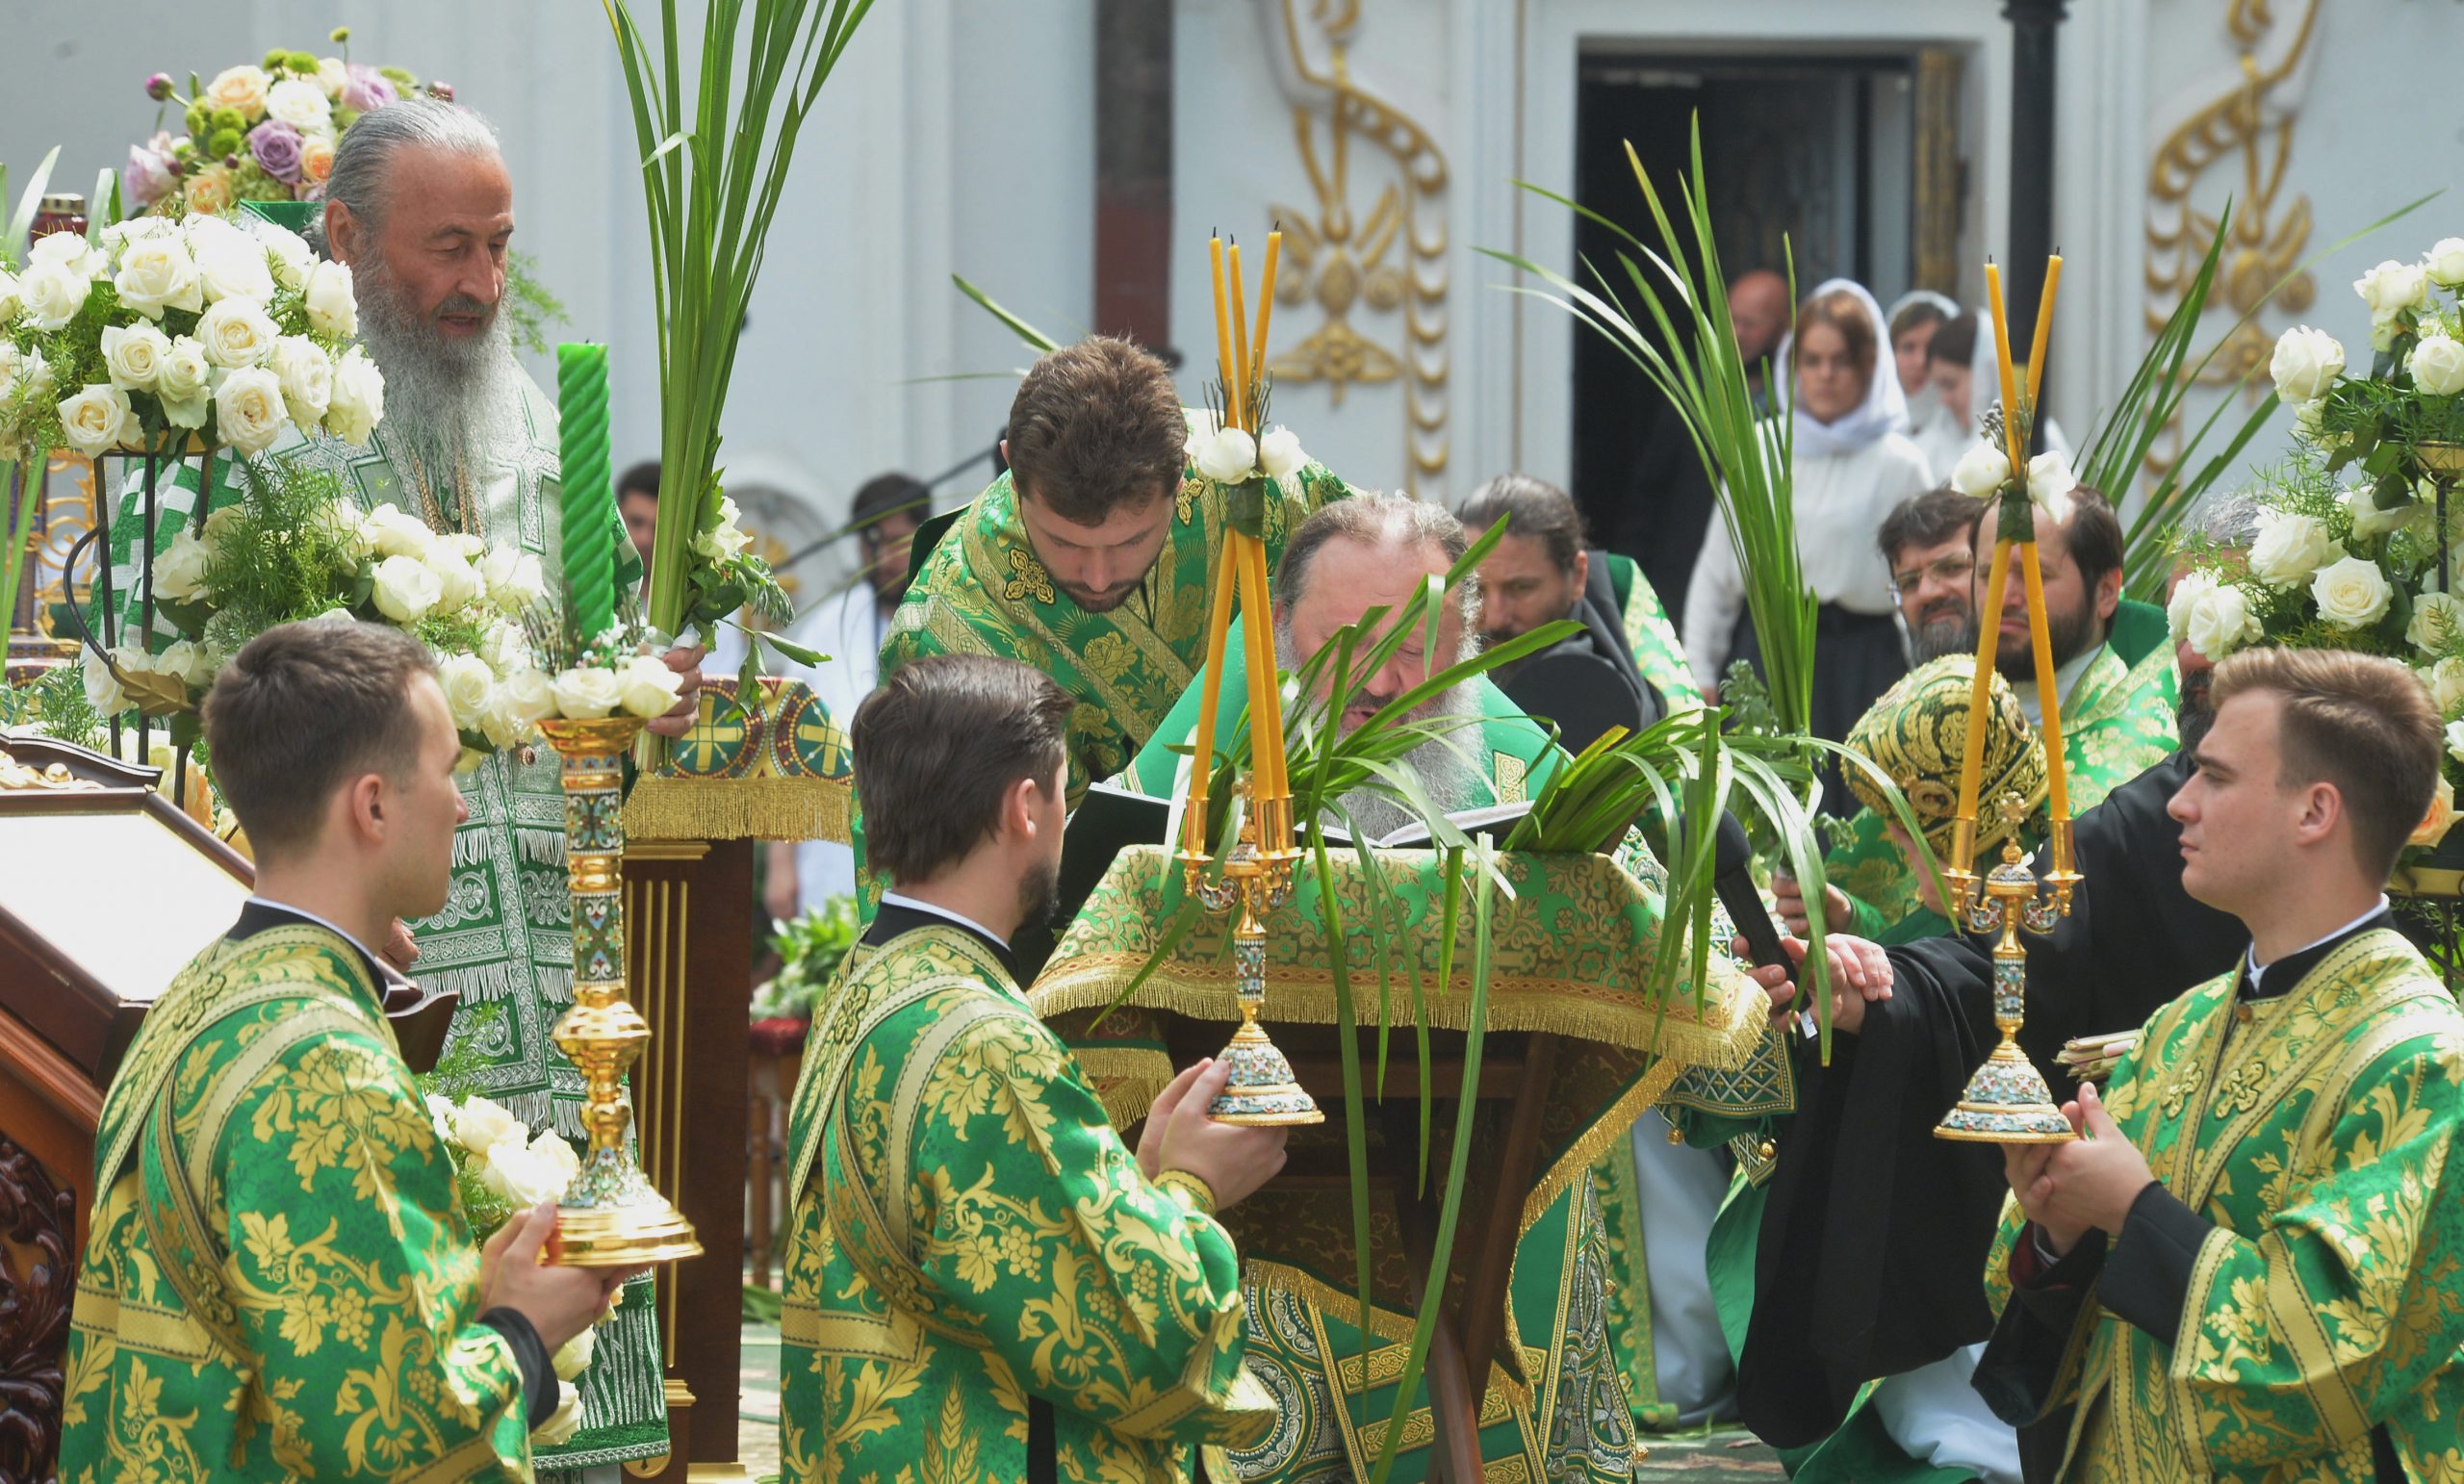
588 512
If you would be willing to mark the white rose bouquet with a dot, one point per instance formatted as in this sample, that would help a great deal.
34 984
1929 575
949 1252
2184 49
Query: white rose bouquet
1243 463
2412 397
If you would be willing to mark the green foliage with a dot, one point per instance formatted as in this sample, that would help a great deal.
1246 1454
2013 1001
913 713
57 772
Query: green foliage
277 554
531 309
809 949
458 1069
59 710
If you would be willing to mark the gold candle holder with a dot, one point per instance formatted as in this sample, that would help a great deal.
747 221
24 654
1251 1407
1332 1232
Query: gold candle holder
2007 1101
610 1215
1262 1092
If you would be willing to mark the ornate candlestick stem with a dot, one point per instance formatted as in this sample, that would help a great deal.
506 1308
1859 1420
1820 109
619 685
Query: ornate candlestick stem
610 1216
2007 1101
1262 1092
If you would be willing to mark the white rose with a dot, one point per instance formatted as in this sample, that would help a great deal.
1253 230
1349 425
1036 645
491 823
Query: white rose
332 75
650 687
236 332
549 1148
331 308
406 591
248 409
2290 548
2309 418
570 1362
2187 592
2444 681
102 688
564 1421
1228 457
2455 739
390 531
187 661
505 649
184 384
70 251
2444 263
457 582
179 569
1980 472
301 104
1203 425
2050 482
510 1171
358 403
52 294
1279 453
585 693
2352 593
528 696
2437 620
231 265
2306 363
292 261
2437 364
307 377
725 540
497 723
133 356
10 302
2220 621
156 275
2384 326
99 418
440 1116
2369 521
512 576
464 544
480 1123
466 680
2393 287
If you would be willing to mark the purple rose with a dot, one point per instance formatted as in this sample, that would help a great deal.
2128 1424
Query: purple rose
276 146
368 89
149 175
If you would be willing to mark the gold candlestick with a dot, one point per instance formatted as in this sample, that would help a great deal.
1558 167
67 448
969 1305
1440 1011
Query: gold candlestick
610 1216
1262 1092
2007 1101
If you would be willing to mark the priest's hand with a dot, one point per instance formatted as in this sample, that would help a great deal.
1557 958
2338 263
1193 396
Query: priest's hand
1231 1158
2089 1182
1791 898
685 659
1860 973
1159 1117
400 949
516 1273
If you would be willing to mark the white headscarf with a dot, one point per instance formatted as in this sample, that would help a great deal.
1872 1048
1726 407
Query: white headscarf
1885 409
1943 304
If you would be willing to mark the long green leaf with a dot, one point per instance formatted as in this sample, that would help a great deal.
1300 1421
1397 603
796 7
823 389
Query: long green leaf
1043 344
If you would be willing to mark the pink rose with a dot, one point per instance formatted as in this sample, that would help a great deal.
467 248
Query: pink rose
149 175
368 89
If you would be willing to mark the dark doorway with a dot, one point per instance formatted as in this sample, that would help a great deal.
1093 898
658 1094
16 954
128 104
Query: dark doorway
1814 152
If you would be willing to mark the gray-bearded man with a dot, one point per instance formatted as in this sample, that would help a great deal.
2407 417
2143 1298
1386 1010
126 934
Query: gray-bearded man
420 208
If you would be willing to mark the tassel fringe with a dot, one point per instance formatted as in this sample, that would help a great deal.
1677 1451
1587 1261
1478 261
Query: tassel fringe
764 808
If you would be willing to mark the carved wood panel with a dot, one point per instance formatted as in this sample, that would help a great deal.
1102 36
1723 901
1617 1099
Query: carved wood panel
38 1279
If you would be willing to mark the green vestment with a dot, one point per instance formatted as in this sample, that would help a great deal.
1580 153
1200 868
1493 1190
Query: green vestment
1658 652
2315 1130
2116 722
504 936
970 1232
981 591
280 1282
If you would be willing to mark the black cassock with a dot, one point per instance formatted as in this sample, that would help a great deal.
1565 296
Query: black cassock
1873 1244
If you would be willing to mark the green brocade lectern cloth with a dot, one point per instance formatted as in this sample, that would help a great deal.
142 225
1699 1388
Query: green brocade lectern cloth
775 770
1570 950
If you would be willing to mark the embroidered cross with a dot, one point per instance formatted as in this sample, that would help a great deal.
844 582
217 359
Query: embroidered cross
1028 579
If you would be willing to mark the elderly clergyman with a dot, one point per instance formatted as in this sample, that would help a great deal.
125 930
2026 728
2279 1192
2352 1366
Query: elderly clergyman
420 208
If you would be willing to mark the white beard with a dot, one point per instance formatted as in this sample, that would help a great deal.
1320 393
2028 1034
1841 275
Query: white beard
1440 764
455 405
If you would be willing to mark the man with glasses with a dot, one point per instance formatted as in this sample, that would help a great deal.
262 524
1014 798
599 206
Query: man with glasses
1933 571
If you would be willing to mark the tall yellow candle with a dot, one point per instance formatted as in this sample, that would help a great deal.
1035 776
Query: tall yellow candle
2045 326
1989 622
1210 681
1265 304
1240 399
1255 628
1222 324
2057 782
1269 717
2010 384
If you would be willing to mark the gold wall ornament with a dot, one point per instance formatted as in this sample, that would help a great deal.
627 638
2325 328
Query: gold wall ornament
1937 184
1390 259
19 777
2245 131
610 1216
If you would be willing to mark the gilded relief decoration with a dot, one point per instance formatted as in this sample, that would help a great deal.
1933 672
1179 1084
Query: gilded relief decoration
1376 263
2241 141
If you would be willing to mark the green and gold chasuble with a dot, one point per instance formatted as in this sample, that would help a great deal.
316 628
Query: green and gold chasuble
504 938
969 1231
280 1282
2317 1130
1658 652
1574 1322
2116 722
981 591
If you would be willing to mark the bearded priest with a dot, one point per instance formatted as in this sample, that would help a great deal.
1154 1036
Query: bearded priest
418 211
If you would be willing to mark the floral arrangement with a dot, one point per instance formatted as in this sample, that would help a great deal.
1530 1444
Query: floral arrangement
157 332
619 671
809 950
257 132
2347 553
500 1168
1229 456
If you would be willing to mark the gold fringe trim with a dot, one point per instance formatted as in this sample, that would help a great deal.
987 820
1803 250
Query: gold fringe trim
1614 1123
1126 1078
1722 1035
764 808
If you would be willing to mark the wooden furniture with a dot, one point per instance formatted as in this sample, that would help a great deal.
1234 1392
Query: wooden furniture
777 1054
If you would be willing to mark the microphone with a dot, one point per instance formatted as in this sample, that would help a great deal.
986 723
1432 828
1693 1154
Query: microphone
1734 885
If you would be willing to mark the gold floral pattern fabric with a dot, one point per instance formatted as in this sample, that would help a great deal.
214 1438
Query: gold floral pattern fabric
969 1231
2318 1135
981 591
280 1282
1658 652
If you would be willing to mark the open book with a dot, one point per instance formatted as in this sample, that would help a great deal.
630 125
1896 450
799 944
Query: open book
1495 821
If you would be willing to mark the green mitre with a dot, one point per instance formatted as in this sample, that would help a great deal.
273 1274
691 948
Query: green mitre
1918 735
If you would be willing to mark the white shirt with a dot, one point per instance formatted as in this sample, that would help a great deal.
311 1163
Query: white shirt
895 899
1840 502
2065 679
2251 955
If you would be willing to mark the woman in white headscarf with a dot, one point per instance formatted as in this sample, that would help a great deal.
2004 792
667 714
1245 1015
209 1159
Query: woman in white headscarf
1919 315
1964 374
1854 465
